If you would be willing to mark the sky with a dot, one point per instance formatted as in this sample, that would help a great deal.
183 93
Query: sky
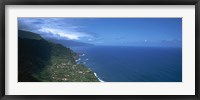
109 31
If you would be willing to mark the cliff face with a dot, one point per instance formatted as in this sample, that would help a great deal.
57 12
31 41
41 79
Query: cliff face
40 60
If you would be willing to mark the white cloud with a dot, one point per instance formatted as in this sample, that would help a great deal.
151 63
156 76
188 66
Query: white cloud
89 39
55 28
69 34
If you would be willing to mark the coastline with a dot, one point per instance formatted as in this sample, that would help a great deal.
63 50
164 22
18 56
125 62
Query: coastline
98 78
78 61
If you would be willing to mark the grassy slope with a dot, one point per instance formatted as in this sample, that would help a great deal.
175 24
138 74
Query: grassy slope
40 60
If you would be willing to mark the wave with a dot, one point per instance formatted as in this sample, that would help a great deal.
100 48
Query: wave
98 78
82 54
78 60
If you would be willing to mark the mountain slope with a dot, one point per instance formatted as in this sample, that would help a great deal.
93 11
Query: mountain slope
28 35
68 43
40 60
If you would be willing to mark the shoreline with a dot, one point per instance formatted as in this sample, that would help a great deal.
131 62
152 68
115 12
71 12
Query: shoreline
78 62
98 78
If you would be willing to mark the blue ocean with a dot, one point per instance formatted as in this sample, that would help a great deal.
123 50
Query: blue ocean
133 64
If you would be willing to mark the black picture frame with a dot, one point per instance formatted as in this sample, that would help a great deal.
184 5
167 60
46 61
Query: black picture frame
99 2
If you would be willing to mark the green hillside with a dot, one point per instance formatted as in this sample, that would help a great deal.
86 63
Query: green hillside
40 60
28 35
